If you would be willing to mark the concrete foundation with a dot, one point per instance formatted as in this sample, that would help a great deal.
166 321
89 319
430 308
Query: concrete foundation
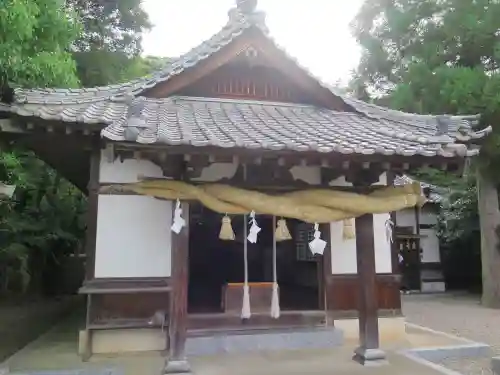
390 329
143 340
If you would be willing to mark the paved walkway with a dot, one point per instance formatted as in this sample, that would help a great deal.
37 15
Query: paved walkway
57 350
461 315
456 314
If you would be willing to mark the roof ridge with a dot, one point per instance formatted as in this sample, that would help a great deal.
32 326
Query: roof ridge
400 116
240 18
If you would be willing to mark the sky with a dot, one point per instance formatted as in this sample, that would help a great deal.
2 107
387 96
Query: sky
315 32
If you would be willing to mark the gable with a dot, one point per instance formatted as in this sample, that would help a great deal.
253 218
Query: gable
251 66
248 81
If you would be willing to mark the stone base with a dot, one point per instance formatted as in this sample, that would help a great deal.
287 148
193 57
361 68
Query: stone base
177 367
433 287
495 365
259 340
124 340
391 330
370 357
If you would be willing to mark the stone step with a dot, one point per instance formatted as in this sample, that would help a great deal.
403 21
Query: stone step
259 340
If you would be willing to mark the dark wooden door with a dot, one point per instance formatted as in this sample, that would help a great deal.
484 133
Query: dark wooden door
410 264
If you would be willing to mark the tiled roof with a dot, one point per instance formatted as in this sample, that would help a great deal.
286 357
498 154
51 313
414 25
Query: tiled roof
272 126
369 129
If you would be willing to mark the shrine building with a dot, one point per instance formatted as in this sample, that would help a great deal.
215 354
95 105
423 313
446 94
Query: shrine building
237 202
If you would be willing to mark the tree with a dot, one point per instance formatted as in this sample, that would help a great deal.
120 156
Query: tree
35 36
42 218
150 64
39 40
441 56
109 46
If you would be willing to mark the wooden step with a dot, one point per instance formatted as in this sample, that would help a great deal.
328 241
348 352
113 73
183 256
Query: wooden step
227 321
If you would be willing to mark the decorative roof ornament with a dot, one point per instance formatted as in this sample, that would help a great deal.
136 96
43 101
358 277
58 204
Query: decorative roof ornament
443 122
246 6
135 120
246 12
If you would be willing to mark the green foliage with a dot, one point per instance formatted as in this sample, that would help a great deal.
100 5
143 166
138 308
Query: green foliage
39 43
108 49
150 64
458 217
35 36
433 57
43 218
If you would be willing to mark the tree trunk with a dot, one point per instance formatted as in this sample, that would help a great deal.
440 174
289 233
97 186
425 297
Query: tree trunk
489 218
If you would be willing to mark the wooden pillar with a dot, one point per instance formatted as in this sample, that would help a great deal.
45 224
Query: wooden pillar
418 246
92 207
177 362
368 353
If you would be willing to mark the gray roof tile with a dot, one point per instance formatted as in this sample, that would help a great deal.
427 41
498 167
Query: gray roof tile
272 126
368 130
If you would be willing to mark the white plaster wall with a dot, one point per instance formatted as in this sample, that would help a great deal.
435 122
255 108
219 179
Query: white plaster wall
430 246
344 260
427 216
383 254
406 218
133 232
311 175
133 237
126 171
341 181
217 171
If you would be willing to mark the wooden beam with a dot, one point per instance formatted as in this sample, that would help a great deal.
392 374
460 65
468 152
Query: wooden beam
340 161
369 352
177 362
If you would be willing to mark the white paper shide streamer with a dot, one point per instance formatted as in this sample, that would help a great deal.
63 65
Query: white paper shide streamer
389 225
245 308
275 299
254 229
178 222
317 245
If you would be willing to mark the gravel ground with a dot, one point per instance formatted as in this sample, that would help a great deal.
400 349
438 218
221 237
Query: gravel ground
461 315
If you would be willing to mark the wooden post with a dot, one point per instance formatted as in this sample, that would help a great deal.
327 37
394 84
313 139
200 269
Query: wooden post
177 362
418 245
92 207
368 353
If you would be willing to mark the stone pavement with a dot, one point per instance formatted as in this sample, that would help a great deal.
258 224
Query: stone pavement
460 315
57 350
456 314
